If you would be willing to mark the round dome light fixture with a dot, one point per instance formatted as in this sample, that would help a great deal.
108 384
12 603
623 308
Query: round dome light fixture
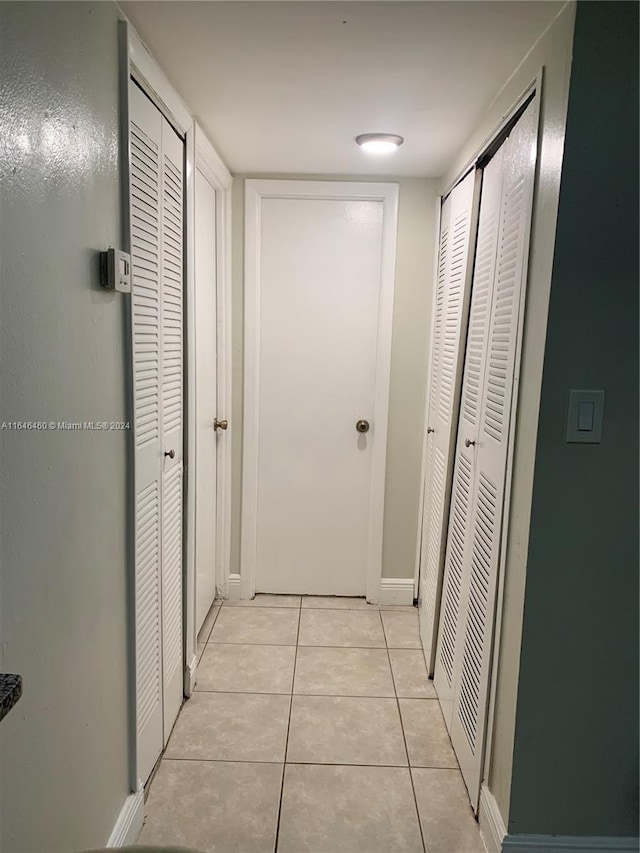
379 143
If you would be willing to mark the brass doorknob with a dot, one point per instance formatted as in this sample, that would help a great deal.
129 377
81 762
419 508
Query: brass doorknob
362 426
220 424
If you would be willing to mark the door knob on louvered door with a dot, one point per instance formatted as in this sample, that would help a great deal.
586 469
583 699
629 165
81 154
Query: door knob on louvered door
170 453
468 442
362 426
220 424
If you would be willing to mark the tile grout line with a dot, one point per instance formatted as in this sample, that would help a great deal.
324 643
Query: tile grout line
314 646
306 763
370 608
306 695
286 744
404 737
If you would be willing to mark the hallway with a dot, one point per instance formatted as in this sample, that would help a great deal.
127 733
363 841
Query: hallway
335 693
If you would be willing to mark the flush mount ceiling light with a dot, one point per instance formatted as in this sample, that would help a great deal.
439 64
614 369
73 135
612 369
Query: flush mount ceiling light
379 143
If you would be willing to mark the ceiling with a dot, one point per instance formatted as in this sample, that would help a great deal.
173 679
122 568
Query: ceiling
285 87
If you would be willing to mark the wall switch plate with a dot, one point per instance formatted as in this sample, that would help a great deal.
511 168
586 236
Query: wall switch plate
115 270
584 422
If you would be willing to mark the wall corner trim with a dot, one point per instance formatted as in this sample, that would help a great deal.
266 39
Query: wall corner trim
492 826
396 591
129 822
561 843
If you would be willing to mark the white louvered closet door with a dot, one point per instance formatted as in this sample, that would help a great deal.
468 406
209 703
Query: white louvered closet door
457 552
172 415
146 239
455 259
156 207
492 439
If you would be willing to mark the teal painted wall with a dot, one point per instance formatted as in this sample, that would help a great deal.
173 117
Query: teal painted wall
575 769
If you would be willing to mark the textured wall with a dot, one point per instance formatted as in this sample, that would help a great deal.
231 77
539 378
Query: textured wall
409 364
575 769
63 770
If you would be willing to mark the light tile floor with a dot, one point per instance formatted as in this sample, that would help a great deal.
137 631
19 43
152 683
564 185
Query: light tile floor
313 727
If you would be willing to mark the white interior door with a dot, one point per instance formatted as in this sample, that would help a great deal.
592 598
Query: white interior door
157 214
206 395
455 260
321 346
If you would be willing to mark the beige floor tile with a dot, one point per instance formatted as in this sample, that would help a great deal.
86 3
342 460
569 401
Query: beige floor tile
200 649
231 727
246 669
207 625
214 806
256 625
445 813
335 602
401 630
410 674
345 730
427 739
343 672
264 600
350 628
334 809
399 608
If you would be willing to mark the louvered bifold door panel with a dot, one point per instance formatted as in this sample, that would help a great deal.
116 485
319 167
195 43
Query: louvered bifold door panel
172 595
455 259
172 402
496 421
456 573
433 490
145 191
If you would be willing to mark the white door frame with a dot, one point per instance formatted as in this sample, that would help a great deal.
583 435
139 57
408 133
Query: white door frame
137 63
256 191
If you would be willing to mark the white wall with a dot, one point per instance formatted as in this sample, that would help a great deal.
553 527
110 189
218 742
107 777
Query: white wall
409 363
64 747
552 52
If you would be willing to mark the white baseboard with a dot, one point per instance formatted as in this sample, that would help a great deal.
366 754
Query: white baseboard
235 587
492 826
129 822
396 591
561 843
